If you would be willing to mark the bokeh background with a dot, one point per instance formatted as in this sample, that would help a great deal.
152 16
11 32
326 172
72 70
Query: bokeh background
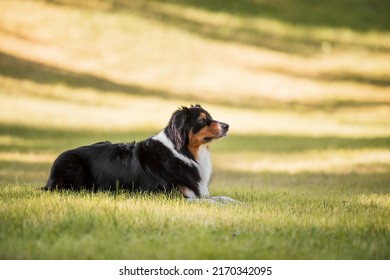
305 85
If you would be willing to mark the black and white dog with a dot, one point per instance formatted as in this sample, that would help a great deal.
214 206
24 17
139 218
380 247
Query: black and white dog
176 158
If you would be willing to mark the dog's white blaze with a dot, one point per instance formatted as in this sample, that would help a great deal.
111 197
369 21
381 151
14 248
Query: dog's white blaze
162 137
205 170
203 164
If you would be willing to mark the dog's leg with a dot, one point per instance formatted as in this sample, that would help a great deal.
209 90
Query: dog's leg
200 200
224 199
219 200
191 197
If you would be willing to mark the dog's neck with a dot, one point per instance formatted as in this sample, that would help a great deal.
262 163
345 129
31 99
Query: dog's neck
203 164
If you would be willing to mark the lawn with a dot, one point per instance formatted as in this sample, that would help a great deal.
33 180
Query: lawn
307 99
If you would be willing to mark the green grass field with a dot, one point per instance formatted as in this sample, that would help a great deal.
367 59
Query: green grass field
305 86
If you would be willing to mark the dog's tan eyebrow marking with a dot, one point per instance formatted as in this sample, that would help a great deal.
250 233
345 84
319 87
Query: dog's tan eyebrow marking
202 116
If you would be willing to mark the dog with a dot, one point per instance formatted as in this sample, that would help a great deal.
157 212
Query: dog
177 158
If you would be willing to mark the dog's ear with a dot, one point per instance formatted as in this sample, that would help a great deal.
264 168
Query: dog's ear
177 127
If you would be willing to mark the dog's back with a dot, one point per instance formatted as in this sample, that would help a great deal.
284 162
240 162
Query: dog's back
99 166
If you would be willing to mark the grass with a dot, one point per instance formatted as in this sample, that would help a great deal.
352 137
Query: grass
306 98
271 224
320 214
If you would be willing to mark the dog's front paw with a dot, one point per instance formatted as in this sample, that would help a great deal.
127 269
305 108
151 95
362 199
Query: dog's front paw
225 199
207 200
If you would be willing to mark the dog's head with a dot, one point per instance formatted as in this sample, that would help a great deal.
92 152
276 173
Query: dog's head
192 127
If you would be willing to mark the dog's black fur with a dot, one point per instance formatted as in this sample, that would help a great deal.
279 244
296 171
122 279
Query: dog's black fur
167 161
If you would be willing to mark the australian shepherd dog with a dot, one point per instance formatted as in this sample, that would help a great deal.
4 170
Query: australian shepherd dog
176 158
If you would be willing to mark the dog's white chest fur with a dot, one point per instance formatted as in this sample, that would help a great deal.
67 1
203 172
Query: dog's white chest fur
203 164
205 170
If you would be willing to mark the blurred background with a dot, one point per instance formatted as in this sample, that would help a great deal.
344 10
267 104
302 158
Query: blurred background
304 84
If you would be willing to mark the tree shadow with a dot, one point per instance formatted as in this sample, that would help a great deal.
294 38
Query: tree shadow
18 172
43 139
56 139
344 76
243 33
303 14
23 69
359 15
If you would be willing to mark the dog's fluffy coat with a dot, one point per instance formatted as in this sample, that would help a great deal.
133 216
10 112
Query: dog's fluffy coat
176 158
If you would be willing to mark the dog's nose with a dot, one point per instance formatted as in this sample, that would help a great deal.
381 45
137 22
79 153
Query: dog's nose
224 126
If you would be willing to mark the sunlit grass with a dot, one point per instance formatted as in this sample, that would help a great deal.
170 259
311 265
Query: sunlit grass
307 104
108 226
341 161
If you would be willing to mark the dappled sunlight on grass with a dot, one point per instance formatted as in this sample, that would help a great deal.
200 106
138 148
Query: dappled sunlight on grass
54 113
60 106
304 86
183 65
375 200
143 64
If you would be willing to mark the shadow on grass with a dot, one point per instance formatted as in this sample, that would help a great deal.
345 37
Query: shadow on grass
19 172
40 139
54 140
381 81
302 14
23 69
359 15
